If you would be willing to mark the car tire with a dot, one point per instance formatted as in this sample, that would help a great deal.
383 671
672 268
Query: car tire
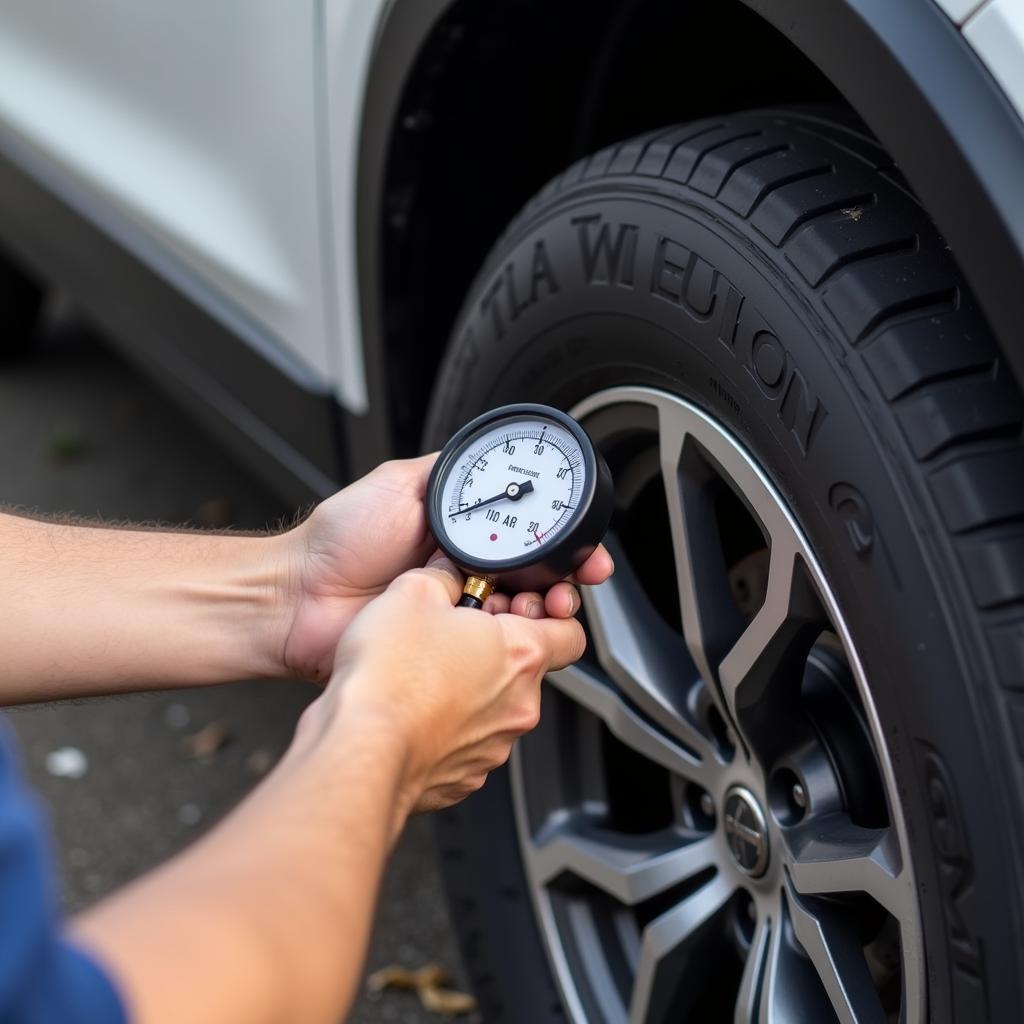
774 272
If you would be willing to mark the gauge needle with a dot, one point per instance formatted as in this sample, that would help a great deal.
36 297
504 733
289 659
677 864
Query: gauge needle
513 492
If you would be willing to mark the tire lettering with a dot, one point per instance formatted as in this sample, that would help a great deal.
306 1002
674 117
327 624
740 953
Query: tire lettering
768 362
853 509
541 272
801 412
771 368
956 870
502 300
606 261
688 281
729 318
724 395
683 278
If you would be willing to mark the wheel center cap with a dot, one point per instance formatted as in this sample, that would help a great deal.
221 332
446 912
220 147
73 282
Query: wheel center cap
746 831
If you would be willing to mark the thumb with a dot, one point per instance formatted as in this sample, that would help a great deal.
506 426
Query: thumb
446 572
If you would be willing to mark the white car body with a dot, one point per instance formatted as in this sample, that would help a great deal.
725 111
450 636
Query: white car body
216 141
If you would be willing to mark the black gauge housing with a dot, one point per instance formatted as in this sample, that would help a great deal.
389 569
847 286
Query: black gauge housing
574 542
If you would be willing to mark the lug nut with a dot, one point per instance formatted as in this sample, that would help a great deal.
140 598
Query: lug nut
799 796
707 805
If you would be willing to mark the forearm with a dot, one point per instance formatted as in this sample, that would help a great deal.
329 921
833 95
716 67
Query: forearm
87 610
267 920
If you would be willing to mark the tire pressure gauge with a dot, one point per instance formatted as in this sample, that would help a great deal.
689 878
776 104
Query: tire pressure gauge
519 495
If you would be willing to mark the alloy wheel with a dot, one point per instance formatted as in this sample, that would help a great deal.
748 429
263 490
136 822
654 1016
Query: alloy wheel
708 818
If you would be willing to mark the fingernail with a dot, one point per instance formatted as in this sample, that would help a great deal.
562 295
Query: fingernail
573 602
534 610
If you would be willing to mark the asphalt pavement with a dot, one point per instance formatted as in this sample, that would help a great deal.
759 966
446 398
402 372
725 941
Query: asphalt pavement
129 781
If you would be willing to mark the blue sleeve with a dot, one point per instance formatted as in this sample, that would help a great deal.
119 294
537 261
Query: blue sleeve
43 978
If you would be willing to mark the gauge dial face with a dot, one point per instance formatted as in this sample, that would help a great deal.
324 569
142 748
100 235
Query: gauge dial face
512 489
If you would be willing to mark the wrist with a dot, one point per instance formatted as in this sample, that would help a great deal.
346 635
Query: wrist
241 590
277 600
337 730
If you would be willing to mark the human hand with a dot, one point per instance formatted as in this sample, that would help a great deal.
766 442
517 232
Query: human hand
355 543
455 686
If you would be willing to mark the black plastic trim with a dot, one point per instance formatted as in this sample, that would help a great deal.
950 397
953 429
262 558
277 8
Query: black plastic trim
916 82
404 29
285 432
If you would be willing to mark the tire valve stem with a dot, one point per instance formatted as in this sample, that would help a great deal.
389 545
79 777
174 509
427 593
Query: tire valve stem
476 591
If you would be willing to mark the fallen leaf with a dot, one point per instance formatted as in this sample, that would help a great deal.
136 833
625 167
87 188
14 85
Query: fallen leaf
428 984
430 976
446 1001
206 742
390 977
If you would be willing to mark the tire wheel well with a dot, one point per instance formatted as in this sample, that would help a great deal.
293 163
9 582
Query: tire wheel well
505 95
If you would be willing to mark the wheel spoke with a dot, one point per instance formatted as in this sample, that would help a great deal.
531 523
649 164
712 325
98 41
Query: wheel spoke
592 693
772 989
630 868
668 944
835 951
710 618
790 989
749 995
831 856
642 654
771 652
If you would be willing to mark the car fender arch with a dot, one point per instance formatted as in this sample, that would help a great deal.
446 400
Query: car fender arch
903 67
